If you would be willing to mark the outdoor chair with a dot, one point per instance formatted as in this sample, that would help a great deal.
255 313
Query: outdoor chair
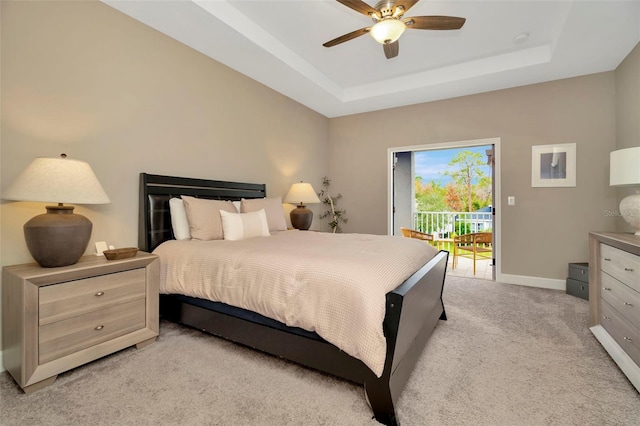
476 246
410 233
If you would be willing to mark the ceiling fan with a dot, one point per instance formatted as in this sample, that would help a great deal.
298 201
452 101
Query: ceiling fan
390 23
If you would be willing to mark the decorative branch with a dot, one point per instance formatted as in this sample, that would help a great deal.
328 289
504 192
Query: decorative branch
335 214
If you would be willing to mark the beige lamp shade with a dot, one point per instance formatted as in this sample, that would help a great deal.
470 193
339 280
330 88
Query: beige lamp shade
57 180
58 237
301 193
625 171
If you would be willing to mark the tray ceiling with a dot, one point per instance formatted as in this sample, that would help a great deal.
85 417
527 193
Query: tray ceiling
502 44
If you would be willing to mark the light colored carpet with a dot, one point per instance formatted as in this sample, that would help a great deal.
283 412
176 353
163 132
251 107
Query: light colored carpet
508 355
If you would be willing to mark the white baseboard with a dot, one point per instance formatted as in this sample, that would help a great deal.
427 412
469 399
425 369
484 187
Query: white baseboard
550 283
1 363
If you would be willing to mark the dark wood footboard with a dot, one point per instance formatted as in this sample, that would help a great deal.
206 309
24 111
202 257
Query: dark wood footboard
413 310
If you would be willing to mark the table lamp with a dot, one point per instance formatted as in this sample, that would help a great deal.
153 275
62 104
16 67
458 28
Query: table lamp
625 171
58 237
301 193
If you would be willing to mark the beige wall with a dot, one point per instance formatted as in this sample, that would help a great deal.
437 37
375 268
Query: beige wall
85 79
628 100
548 227
628 114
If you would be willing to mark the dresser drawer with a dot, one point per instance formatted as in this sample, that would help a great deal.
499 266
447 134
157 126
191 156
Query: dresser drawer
622 298
74 334
621 265
62 301
622 331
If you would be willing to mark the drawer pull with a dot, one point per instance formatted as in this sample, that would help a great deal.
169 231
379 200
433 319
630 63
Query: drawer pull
627 304
100 293
628 339
604 317
607 259
98 328
628 269
606 288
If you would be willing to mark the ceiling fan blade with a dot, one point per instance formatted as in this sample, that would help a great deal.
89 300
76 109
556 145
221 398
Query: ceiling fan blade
391 49
434 22
405 4
347 37
360 6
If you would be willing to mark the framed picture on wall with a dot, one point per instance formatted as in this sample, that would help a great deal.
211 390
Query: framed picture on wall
553 165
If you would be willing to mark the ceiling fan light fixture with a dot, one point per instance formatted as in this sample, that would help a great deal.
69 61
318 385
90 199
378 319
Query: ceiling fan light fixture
387 30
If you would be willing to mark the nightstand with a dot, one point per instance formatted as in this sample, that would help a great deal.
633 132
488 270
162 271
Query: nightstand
56 319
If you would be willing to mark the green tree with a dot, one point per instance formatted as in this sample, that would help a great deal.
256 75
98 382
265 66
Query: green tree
466 170
483 191
429 196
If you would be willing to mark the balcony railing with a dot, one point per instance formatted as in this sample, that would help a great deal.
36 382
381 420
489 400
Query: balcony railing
445 224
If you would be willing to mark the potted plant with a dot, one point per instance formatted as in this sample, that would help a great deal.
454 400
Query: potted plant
335 214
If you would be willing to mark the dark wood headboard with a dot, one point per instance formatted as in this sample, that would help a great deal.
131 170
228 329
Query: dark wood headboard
154 218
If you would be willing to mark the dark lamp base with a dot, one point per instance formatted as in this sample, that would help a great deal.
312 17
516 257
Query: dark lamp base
58 237
301 217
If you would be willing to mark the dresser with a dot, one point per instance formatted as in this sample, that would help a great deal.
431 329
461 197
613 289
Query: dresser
614 298
55 319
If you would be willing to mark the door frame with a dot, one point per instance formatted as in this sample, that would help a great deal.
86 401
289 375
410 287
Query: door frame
497 229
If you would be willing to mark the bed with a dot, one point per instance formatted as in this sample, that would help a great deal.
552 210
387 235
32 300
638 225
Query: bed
411 310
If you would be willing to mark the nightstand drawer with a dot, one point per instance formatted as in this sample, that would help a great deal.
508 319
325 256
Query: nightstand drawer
622 265
74 334
62 301
578 288
622 331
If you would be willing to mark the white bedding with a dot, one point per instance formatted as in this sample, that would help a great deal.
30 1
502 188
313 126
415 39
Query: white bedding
333 284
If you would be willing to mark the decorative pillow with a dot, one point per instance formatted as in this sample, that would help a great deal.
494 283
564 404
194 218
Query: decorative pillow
238 206
238 226
179 221
204 217
272 208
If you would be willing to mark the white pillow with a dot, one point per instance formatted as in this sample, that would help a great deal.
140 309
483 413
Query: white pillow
273 209
238 226
179 222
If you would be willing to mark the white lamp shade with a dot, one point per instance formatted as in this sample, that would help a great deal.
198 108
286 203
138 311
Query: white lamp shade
301 193
625 167
57 180
625 171
388 30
